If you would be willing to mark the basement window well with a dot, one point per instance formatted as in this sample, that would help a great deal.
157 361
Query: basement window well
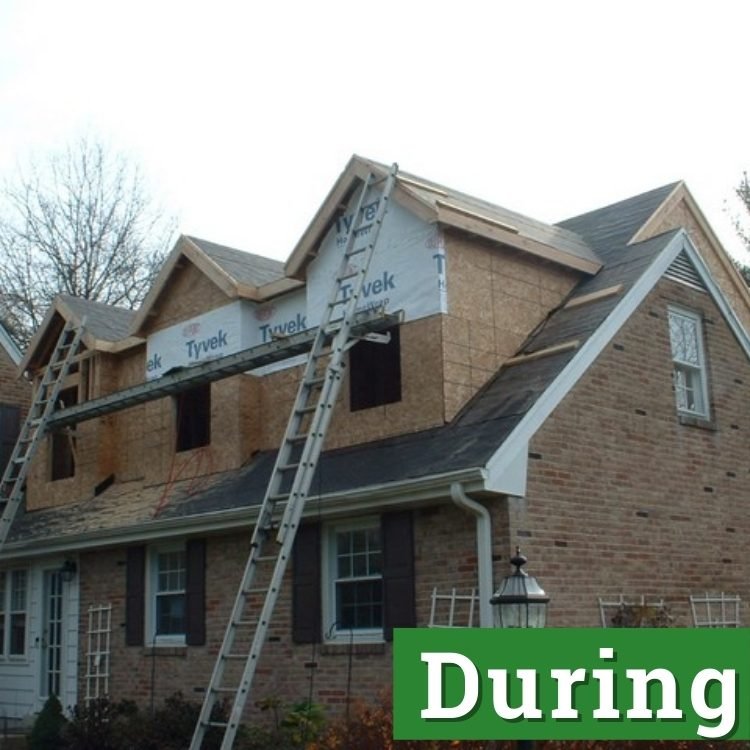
375 373
193 414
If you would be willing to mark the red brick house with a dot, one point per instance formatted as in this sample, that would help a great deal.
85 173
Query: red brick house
580 389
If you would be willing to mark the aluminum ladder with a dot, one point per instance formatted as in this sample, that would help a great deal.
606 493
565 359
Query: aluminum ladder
34 428
292 474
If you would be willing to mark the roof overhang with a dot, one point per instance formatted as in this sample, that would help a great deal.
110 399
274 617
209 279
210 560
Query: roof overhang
409 493
433 204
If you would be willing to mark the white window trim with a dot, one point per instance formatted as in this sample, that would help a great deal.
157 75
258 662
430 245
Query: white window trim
151 589
331 633
702 368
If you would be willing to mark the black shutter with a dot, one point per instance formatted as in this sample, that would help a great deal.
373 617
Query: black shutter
134 596
398 572
10 425
306 590
195 592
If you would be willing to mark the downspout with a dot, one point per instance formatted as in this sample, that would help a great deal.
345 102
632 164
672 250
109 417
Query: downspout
484 550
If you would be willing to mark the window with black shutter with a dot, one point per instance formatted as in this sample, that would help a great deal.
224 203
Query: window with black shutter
172 608
375 372
362 570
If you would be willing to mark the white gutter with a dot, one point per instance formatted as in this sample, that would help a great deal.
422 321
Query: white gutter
484 550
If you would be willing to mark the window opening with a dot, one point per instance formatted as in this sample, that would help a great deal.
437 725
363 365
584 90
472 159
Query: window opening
689 373
193 418
375 372
63 462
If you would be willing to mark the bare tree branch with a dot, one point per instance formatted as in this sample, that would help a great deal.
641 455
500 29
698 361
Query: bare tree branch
81 223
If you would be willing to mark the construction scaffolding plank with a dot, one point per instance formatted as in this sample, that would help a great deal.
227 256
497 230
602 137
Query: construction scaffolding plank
206 372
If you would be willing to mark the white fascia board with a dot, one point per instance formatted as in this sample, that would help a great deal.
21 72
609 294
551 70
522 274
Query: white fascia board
505 458
734 323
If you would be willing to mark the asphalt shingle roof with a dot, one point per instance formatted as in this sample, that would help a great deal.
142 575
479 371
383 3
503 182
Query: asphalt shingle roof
467 442
609 229
103 322
246 268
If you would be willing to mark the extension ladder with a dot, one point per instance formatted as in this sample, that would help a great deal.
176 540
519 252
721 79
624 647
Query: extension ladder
292 475
34 428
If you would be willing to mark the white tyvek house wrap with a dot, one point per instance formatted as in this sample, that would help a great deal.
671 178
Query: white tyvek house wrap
407 272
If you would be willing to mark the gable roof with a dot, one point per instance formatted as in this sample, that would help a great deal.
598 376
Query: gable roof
485 446
448 207
106 327
237 273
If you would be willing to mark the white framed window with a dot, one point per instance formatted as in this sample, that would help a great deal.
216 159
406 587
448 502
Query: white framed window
353 581
13 613
166 613
689 372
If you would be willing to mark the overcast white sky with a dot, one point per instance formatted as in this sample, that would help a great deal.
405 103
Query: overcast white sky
242 114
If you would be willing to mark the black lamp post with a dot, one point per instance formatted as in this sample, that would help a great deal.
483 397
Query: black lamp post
520 602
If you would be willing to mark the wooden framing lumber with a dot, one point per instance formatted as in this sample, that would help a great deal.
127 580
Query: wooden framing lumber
586 299
540 353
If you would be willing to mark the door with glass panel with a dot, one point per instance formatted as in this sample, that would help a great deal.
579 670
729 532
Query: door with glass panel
52 634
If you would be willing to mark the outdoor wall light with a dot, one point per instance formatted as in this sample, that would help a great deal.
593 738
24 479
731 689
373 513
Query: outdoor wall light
520 602
68 570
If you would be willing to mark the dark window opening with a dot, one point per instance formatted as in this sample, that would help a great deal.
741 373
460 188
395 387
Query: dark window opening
10 425
193 418
375 373
63 442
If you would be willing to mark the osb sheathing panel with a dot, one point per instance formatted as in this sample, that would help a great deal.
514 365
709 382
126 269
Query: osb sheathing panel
421 404
187 293
496 297
680 216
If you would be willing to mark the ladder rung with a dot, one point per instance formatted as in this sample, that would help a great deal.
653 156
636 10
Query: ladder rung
315 381
357 251
306 409
288 467
218 723
298 438
266 558
255 590
279 497
245 623
349 275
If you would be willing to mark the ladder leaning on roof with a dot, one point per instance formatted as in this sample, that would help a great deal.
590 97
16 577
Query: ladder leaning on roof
35 426
292 474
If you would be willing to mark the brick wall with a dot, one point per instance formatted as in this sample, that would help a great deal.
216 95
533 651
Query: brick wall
445 555
623 498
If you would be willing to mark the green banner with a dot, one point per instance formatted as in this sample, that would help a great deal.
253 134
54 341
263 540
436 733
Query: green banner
559 683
